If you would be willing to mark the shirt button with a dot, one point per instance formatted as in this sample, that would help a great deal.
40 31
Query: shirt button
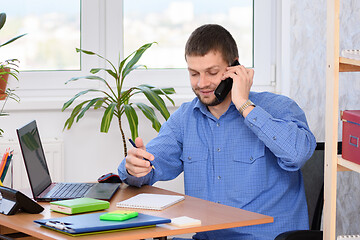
189 158
218 149
218 124
219 177
254 119
251 158
251 125
274 138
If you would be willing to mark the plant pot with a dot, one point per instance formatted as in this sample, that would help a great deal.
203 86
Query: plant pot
4 75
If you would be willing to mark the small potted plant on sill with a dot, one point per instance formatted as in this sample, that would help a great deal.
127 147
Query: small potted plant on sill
7 67
116 102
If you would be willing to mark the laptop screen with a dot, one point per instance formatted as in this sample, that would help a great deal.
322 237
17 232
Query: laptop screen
34 158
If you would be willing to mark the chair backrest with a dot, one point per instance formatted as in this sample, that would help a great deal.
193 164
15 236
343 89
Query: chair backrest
313 175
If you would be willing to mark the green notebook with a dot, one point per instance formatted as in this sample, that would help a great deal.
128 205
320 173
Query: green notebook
79 205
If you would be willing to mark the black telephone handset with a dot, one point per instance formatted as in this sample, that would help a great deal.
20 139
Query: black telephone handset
225 86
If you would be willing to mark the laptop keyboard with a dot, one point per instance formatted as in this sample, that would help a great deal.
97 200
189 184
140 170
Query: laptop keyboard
71 190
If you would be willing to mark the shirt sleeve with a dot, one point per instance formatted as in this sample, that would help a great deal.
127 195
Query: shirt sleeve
167 150
284 130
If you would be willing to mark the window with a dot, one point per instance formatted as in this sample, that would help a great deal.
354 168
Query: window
113 27
170 23
53 29
47 53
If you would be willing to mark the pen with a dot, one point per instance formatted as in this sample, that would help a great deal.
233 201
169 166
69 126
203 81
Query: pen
134 145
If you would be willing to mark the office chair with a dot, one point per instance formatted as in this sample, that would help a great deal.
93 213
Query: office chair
313 175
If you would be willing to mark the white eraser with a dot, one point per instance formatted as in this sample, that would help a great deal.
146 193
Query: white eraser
185 221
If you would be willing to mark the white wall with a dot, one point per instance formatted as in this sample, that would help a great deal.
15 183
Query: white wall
307 68
88 153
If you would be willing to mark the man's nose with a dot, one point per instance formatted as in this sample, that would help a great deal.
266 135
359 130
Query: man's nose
203 81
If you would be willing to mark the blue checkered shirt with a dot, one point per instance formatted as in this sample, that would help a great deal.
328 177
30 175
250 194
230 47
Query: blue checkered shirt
250 163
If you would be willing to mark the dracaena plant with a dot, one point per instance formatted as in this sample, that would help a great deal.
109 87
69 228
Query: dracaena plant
117 101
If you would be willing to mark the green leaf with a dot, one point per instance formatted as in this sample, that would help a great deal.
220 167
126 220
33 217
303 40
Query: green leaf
85 51
107 117
96 70
90 104
69 122
162 91
132 119
68 103
13 39
2 19
129 66
165 91
99 103
150 114
86 77
92 53
155 100
125 95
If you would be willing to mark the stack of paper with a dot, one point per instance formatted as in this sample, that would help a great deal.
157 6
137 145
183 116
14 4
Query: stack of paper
351 53
352 237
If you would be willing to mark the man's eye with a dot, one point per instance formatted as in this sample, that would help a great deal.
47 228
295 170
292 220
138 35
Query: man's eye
193 74
213 73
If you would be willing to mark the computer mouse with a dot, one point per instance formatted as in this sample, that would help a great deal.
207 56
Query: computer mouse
109 178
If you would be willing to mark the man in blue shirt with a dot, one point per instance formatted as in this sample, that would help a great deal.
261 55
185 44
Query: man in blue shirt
245 151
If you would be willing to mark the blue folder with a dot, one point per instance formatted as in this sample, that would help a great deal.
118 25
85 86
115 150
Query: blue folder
90 223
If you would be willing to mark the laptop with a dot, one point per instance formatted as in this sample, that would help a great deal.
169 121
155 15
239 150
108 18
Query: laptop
42 187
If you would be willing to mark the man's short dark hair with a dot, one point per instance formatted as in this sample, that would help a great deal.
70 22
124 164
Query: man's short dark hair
212 37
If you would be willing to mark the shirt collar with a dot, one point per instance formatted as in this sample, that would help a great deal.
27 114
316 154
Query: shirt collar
204 110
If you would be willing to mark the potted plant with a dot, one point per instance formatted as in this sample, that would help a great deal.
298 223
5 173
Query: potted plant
7 67
117 101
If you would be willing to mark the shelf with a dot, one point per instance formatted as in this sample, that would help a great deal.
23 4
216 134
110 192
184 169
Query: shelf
349 165
349 65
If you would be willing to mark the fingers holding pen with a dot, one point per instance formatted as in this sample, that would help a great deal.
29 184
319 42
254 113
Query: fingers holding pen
135 163
138 160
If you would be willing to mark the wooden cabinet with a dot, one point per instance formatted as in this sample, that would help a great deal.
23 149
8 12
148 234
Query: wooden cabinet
333 163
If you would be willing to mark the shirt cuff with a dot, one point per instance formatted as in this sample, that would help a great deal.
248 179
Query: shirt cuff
130 179
257 118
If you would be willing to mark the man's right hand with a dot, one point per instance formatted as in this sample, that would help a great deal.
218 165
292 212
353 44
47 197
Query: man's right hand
135 163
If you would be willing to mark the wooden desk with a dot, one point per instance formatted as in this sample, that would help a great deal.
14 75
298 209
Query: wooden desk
213 216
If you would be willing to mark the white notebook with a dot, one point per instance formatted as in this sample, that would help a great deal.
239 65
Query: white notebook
150 201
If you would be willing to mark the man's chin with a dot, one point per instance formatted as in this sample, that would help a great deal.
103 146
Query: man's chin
209 102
